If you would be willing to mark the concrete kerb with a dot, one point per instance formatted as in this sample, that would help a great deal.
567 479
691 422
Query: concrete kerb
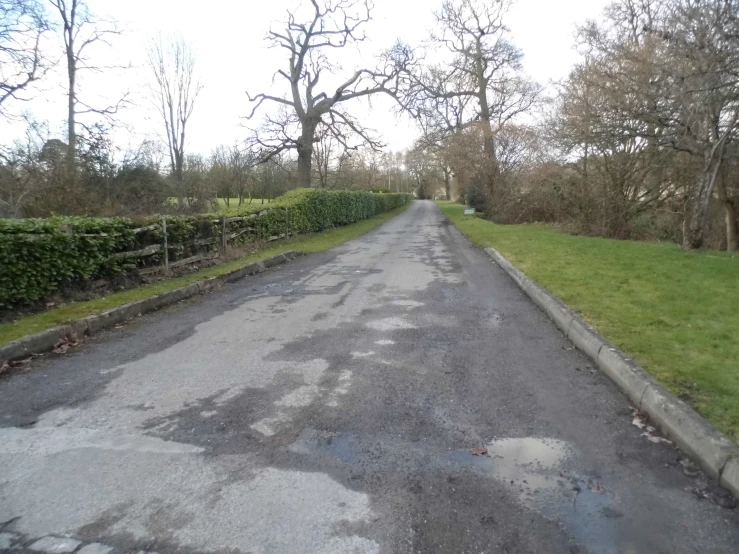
716 454
45 341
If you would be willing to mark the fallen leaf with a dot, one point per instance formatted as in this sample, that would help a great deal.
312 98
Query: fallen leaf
63 345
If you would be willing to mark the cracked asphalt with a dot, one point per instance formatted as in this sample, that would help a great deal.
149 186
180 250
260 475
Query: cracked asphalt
336 404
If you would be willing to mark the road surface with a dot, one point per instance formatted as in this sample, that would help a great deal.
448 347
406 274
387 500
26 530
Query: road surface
332 405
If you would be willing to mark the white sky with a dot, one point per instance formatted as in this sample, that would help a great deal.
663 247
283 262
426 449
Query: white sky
232 57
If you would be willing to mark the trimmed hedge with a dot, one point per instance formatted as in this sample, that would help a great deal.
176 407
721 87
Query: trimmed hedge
37 256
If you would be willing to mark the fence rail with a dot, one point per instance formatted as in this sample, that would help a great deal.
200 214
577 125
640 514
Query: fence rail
223 238
37 256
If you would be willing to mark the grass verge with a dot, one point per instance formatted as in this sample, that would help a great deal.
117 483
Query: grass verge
315 242
675 312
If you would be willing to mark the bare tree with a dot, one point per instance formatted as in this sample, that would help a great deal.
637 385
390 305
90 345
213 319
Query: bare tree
21 173
669 70
175 90
704 110
240 163
81 30
22 26
423 166
332 24
482 84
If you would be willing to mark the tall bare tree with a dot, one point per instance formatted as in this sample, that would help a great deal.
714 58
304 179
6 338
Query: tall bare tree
82 30
240 163
703 36
669 70
482 83
22 26
332 24
175 90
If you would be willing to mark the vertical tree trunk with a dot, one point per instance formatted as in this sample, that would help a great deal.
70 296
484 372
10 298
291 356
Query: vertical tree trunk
71 128
487 129
696 213
732 236
179 178
730 212
305 153
447 183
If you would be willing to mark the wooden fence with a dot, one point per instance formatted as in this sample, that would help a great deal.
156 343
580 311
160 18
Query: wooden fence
223 238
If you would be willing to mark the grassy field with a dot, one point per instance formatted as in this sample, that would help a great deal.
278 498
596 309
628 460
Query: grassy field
222 202
305 243
235 202
675 312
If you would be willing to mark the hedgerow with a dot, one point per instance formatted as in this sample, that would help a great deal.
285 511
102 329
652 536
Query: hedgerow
37 256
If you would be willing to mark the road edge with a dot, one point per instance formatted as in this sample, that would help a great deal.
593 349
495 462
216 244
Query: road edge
715 453
46 341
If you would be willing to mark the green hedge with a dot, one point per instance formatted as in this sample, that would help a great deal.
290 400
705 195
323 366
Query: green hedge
37 256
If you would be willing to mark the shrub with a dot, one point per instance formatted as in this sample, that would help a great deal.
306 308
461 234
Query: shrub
39 255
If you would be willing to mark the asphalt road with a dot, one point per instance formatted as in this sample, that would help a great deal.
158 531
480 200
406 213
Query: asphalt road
330 405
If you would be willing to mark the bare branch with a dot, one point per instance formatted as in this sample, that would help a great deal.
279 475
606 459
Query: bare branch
174 91
328 25
80 29
22 26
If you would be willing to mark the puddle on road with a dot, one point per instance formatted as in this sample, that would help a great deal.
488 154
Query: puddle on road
525 463
341 446
533 469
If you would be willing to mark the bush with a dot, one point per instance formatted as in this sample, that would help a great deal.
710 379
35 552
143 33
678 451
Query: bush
474 197
37 256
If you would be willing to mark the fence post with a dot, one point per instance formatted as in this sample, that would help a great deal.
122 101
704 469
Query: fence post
224 238
166 248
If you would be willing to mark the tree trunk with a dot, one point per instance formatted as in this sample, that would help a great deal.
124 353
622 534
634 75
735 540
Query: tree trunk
447 183
732 237
696 213
71 128
730 213
179 178
487 129
305 153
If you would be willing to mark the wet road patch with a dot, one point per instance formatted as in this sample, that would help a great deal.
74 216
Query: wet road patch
535 471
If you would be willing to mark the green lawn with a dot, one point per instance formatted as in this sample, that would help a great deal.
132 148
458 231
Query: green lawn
675 312
235 202
172 201
305 243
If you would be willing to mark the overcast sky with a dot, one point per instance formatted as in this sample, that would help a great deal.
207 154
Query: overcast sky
232 57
